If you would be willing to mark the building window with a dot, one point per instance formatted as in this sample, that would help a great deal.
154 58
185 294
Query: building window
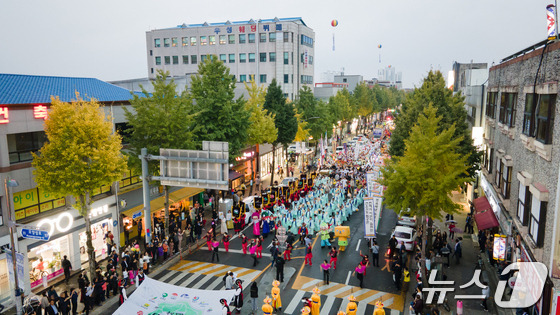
310 60
203 58
212 39
272 57
537 221
489 159
272 37
157 42
151 52
262 37
506 182
263 78
251 77
307 41
166 42
167 60
231 58
242 78
223 40
185 41
499 172
158 60
20 145
251 38
174 42
524 204
231 39
185 59
194 60
175 60
507 109
306 79
242 38
491 107
262 57
252 57
223 58
286 58
545 118
286 78
285 95
242 58
193 41
151 70
203 40
286 37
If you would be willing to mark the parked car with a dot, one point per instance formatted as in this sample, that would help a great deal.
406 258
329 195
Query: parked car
405 234
286 181
292 148
339 149
406 220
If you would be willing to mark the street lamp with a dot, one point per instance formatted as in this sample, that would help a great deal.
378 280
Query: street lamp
8 184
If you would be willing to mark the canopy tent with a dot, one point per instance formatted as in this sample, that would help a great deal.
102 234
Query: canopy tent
154 297
484 216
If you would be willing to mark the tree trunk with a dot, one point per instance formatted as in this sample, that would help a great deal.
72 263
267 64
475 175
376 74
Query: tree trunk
423 252
287 162
273 165
166 205
429 235
85 209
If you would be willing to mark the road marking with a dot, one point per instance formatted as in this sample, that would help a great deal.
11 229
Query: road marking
348 277
168 275
218 283
364 303
187 276
325 308
236 251
296 300
359 242
310 284
202 281
190 280
176 279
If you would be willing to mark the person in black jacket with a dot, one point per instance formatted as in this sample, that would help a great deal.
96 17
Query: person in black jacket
279 267
67 266
254 297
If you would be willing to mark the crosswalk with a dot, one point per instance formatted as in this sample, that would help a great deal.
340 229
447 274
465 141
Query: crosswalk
203 275
334 297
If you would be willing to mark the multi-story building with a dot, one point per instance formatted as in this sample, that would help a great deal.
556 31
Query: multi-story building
389 77
522 159
352 80
470 80
281 49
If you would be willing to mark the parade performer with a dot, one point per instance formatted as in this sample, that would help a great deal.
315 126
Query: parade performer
266 226
244 240
325 235
306 310
308 255
238 297
267 308
325 267
256 223
379 309
225 307
259 246
276 300
352 307
225 240
334 256
288 251
315 302
302 233
209 237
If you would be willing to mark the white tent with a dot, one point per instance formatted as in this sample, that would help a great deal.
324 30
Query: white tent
156 297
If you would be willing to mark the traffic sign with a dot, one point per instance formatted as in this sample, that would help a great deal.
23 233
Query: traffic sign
115 223
35 234
136 215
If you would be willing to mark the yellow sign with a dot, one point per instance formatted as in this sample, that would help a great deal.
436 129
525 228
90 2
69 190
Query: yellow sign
26 198
46 206
59 202
32 211
20 215
45 196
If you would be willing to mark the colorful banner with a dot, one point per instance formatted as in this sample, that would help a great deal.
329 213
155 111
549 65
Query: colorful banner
499 251
551 21
153 297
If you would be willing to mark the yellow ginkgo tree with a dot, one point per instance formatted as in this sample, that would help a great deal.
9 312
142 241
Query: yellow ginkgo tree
82 153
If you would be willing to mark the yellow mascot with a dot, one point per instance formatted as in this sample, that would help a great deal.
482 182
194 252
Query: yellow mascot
266 308
305 310
276 301
315 302
379 309
352 307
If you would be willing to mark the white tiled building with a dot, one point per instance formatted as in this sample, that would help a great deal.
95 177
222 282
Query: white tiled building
263 49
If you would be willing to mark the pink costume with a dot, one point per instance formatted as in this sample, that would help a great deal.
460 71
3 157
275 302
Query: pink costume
256 223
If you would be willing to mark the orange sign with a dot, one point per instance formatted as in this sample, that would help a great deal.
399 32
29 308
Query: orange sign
4 116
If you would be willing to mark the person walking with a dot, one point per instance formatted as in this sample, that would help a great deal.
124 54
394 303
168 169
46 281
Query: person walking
325 267
333 254
74 300
397 273
254 297
225 240
215 250
486 295
244 243
374 254
288 251
280 267
392 246
359 273
458 251
253 252
308 255
259 246
67 266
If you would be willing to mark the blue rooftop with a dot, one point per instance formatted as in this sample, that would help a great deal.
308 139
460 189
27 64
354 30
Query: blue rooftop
294 19
33 89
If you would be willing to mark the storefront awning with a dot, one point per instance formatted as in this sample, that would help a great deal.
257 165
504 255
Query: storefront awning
484 215
233 175
159 203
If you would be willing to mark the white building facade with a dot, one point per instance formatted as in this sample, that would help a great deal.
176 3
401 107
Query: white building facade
281 49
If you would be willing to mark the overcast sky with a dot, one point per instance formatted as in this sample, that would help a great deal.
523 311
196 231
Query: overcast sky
106 39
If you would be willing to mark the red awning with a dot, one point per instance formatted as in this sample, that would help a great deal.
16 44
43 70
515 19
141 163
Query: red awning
484 215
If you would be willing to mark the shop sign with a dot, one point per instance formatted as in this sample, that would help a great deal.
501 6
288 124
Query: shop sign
136 215
19 267
62 223
35 234
491 196
499 251
245 156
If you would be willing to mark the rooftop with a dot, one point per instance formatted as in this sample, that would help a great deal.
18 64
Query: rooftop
251 21
33 89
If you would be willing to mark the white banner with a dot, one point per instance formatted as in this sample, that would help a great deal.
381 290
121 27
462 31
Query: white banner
378 205
369 218
370 179
155 297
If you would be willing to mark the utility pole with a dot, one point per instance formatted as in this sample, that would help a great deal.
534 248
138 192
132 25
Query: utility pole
8 184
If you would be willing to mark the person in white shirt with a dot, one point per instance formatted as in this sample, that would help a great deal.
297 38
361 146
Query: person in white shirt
230 281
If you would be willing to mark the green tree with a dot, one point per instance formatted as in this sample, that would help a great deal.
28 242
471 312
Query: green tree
161 119
342 108
451 109
284 118
421 181
82 154
262 128
221 117
314 113
366 104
